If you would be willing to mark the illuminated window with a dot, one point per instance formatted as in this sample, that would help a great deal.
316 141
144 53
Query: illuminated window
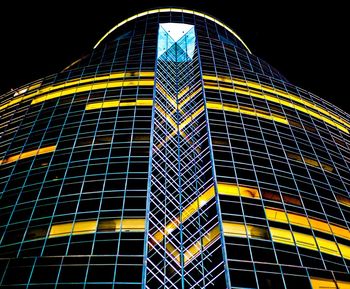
89 227
343 200
240 230
248 88
318 283
91 87
84 227
235 190
345 251
28 154
246 111
282 236
117 103
58 90
303 221
310 162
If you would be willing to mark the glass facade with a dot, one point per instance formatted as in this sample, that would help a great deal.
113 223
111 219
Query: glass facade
172 157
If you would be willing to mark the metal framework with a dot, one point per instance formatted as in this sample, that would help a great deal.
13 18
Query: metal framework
184 232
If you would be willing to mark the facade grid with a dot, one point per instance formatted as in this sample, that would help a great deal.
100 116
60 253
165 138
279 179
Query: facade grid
172 157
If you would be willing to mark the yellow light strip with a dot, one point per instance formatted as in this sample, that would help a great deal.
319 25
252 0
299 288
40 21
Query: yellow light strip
223 189
191 117
186 213
77 228
240 230
345 250
130 225
302 221
183 92
73 63
173 251
262 95
235 190
310 162
309 242
28 154
246 111
209 238
117 103
167 116
189 97
249 192
172 10
163 92
181 125
321 283
89 227
94 86
343 200
279 92
76 81
287 237
193 251
343 284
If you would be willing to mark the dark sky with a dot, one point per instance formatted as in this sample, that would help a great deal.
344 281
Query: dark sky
305 43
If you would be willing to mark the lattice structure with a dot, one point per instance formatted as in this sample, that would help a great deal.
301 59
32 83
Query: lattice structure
171 157
183 221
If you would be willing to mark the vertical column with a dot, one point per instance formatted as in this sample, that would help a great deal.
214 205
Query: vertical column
183 236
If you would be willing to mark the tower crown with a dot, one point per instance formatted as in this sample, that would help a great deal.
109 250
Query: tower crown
172 11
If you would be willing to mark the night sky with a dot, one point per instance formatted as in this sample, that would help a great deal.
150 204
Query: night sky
307 44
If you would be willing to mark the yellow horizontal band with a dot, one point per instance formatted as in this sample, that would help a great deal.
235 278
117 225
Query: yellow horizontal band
302 221
112 76
91 87
321 283
287 237
282 102
277 215
246 111
279 92
235 190
310 162
186 11
28 154
117 103
309 242
230 189
89 227
74 82
240 230
271 98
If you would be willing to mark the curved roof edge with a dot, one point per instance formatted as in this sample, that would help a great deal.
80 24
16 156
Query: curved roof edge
153 11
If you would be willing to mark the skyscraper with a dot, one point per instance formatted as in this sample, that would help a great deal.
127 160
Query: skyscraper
172 157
